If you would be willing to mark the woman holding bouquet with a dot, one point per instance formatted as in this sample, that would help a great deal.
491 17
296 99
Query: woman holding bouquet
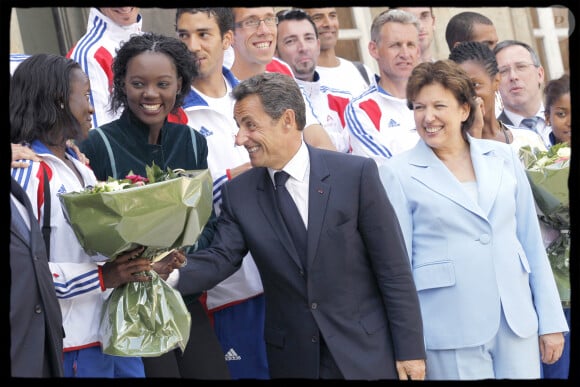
48 106
558 112
152 74
489 302
558 109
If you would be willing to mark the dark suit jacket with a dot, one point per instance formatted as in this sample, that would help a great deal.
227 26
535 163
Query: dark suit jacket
36 331
357 291
504 118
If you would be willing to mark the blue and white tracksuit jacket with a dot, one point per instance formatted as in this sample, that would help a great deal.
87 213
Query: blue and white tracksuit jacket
328 105
75 273
95 52
379 124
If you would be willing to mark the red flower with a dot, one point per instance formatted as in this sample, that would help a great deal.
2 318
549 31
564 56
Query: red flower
137 179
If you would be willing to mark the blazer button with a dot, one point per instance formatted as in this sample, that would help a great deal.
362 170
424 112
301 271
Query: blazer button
37 309
484 239
301 273
314 339
314 305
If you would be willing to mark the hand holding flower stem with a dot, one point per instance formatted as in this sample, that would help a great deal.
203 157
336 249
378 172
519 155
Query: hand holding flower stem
127 267
172 261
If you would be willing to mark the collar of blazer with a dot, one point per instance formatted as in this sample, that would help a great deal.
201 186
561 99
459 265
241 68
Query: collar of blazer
489 162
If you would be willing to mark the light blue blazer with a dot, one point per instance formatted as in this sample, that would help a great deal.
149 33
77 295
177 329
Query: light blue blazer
470 260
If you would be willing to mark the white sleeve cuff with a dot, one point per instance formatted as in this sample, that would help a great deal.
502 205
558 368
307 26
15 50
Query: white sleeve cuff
173 278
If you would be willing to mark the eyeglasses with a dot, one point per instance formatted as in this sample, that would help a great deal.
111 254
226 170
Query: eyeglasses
519 68
254 22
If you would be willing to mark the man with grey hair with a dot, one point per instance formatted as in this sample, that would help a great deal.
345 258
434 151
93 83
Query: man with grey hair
520 86
340 298
379 122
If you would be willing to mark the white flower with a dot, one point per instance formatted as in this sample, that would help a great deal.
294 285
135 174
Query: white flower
543 161
564 152
109 186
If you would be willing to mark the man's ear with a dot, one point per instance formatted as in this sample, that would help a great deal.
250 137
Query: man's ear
373 50
541 75
289 118
228 39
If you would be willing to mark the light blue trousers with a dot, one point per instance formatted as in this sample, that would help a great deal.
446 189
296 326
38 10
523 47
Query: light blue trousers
505 356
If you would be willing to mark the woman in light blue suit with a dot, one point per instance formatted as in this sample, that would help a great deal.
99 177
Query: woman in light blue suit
488 298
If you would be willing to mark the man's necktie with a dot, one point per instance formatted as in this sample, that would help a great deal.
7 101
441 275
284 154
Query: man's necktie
291 216
530 123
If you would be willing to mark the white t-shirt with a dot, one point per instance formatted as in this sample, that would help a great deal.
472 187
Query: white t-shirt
526 137
346 77
229 56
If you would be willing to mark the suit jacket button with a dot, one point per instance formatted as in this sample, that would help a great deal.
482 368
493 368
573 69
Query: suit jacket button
314 305
301 273
484 239
314 339
37 309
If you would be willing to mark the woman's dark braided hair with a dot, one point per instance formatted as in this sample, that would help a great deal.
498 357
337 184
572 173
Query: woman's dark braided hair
478 52
174 48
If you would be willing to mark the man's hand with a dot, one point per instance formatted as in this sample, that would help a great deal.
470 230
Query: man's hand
80 155
316 136
172 261
477 125
411 369
22 152
240 169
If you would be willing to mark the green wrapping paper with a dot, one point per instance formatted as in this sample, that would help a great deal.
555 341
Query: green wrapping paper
548 174
167 214
143 318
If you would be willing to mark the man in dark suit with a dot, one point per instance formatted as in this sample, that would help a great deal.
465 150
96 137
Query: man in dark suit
351 309
521 85
35 319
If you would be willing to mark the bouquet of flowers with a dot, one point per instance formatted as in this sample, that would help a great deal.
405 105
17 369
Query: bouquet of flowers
164 211
548 173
